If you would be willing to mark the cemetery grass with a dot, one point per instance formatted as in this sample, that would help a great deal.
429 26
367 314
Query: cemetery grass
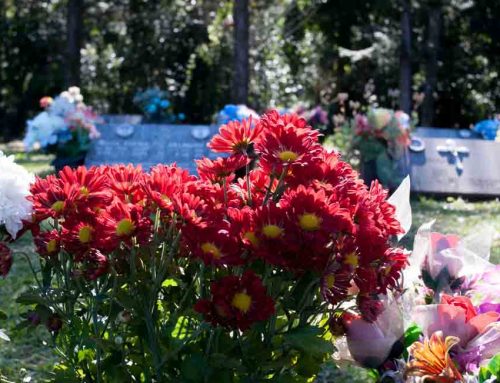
29 357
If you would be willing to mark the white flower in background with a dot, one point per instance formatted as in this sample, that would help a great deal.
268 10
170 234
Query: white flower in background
43 129
14 188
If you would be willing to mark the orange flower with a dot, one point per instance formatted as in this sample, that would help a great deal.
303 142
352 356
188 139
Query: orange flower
432 361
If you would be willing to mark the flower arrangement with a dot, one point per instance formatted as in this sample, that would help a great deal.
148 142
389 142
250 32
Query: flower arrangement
155 105
233 112
444 328
164 276
65 127
317 117
382 137
488 129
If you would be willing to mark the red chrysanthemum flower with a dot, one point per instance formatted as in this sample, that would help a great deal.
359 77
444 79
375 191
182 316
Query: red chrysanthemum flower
287 141
79 238
236 137
312 222
191 210
260 182
52 198
237 302
335 283
48 243
95 264
163 184
126 182
221 168
93 187
370 307
5 259
376 220
270 224
121 222
392 264
215 244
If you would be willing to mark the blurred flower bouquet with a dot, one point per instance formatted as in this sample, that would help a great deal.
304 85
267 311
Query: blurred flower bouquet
445 327
382 136
317 117
164 276
233 112
156 107
489 129
66 128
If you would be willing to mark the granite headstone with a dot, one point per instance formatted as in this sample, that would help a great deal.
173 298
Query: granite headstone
149 145
442 163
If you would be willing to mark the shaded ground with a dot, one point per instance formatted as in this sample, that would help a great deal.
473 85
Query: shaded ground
28 356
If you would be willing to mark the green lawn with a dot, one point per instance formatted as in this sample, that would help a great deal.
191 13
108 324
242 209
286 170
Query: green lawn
29 353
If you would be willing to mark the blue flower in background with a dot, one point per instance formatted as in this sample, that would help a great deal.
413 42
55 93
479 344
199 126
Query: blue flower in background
181 116
233 112
487 128
151 108
164 104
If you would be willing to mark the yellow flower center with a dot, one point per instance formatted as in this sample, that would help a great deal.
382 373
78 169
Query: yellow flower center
272 231
252 238
165 198
51 246
85 234
288 156
309 222
58 206
352 259
125 227
242 302
330 281
84 191
210 248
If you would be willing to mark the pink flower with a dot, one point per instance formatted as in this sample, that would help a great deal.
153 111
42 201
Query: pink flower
454 316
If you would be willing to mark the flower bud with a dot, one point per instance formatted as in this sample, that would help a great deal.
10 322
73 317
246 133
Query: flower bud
5 259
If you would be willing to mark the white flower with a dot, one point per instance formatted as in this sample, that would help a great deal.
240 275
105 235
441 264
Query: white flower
14 188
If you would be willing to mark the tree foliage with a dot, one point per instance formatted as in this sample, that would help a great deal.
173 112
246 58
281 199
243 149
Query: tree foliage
300 51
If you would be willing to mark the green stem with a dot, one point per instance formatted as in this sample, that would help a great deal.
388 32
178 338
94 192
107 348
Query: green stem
96 331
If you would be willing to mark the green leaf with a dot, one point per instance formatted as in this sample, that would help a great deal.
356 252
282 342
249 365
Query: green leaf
412 334
494 365
484 374
3 315
169 282
309 340
30 298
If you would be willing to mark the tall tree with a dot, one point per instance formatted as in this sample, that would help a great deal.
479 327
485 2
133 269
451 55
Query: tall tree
241 43
432 50
74 41
405 58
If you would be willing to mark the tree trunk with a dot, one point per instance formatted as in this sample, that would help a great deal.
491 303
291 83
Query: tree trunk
431 66
405 59
241 43
74 28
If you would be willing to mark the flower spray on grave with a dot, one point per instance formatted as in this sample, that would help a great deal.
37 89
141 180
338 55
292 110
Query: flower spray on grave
66 128
164 276
446 323
156 106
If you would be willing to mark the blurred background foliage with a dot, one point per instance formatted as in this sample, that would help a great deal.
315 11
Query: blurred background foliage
299 51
